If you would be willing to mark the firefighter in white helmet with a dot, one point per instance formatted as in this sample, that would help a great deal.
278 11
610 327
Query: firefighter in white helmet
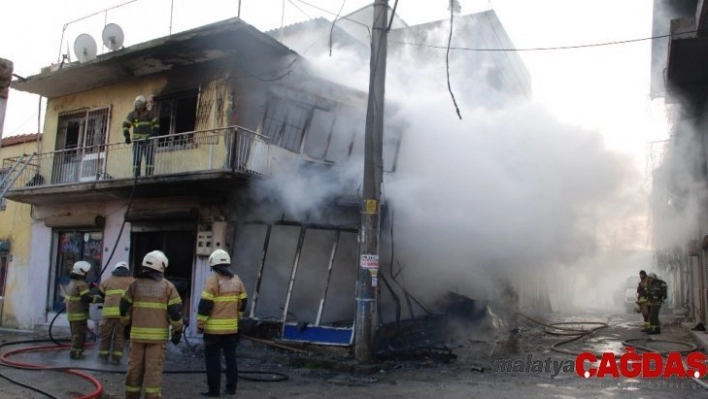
150 306
145 124
222 303
111 329
78 298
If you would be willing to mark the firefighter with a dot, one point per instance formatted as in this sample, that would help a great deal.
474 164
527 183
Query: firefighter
149 307
222 303
657 296
111 329
643 298
77 307
145 124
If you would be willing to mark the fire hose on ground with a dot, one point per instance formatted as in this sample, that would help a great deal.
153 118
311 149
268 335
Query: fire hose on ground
579 333
61 344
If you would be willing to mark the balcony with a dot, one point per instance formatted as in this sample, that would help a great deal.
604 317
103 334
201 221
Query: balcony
207 162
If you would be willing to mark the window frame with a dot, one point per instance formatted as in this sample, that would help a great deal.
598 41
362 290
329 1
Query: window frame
166 142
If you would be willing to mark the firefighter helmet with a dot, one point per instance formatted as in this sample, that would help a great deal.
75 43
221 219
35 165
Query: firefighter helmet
81 268
121 264
139 101
156 260
219 257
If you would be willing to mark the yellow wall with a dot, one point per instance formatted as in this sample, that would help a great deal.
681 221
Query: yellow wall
15 226
214 99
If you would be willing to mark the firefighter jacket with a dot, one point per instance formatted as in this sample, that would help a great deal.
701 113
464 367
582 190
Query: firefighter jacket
78 299
657 292
150 305
643 290
112 291
221 302
145 123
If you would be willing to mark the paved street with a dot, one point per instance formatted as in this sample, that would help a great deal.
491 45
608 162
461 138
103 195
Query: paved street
472 375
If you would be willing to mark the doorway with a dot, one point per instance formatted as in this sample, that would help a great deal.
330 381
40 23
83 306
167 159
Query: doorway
179 248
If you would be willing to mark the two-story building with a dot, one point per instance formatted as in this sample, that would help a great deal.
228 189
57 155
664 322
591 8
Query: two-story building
235 108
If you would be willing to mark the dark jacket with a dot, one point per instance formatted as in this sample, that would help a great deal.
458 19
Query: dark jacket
145 124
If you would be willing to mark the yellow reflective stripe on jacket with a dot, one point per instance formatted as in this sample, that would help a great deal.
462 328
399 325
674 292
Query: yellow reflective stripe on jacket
201 317
150 305
174 301
77 316
149 334
221 325
230 298
73 298
207 295
153 390
115 292
111 311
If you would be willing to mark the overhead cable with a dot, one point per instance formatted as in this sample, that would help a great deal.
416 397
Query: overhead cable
571 47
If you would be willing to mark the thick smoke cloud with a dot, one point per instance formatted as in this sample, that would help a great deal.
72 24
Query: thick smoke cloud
506 190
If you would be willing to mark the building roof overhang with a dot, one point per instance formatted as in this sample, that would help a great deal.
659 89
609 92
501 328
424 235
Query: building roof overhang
230 38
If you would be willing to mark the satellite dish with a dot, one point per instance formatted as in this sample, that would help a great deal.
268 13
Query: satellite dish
85 48
113 37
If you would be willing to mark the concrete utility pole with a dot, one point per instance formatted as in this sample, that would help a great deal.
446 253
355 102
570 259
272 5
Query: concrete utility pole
6 68
367 274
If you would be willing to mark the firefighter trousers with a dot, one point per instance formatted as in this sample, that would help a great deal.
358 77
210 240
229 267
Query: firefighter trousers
111 331
143 148
654 317
78 338
644 306
214 344
145 365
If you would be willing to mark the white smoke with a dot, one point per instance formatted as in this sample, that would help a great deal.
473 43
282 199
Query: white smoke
505 190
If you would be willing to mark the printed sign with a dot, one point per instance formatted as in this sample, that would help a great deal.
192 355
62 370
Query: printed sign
370 207
369 261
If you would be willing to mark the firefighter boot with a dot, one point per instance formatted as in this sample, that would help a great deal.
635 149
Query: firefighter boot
654 331
646 327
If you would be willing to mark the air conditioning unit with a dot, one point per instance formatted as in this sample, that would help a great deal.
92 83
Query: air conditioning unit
91 166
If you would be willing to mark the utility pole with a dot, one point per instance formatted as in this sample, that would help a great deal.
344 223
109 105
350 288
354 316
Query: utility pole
369 232
6 68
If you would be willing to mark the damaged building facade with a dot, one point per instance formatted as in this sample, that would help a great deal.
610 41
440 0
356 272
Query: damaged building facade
679 213
235 106
257 154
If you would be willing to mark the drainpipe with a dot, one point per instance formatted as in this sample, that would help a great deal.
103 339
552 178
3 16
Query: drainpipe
5 79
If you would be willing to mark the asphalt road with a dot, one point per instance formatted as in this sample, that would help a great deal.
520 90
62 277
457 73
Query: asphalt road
474 374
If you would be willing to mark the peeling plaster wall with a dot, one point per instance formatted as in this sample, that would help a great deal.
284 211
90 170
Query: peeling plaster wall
16 226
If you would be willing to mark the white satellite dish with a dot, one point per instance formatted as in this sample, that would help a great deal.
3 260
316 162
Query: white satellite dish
113 37
85 48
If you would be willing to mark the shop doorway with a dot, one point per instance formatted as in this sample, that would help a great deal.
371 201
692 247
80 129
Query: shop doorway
179 248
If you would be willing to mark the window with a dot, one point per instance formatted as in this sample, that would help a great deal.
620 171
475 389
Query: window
177 114
284 123
81 146
71 247
319 134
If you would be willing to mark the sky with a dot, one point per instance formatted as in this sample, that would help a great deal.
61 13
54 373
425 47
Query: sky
603 88
580 95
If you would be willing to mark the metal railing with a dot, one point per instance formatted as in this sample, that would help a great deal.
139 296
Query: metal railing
231 148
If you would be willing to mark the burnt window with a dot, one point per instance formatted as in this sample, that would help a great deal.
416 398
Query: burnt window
71 247
178 119
284 123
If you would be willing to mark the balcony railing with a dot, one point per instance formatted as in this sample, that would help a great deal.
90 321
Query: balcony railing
231 148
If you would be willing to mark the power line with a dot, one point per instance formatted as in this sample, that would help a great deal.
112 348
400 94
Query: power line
335 14
577 46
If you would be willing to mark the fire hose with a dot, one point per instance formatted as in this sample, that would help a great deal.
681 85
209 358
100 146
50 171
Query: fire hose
578 333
